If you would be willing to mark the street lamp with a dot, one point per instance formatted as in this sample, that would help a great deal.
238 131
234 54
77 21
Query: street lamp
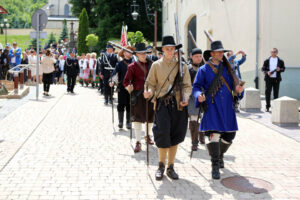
134 14
6 26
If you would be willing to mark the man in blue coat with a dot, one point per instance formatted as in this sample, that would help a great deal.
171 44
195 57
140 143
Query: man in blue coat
214 88
15 55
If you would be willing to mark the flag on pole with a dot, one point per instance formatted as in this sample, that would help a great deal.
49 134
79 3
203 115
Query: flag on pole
123 37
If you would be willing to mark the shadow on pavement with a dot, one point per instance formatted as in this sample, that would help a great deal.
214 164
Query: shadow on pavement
219 188
175 189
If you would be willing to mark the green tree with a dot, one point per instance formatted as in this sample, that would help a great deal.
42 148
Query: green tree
20 11
91 41
110 15
52 39
64 34
83 31
136 37
33 44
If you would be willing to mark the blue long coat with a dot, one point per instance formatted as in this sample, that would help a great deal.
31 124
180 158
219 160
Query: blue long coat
220 115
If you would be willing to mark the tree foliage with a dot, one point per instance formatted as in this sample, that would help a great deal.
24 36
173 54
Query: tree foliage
20 11
136 37
91 40
83 31
51 39
64 34
107 17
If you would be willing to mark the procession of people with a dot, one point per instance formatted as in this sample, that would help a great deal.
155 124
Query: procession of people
166 94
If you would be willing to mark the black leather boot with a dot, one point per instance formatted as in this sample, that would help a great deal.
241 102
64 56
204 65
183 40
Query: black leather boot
194 135
128 124
223 148
171 172
160 171
121 119
214 152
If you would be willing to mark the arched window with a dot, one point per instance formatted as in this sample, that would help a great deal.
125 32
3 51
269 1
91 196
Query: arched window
67 9
192 26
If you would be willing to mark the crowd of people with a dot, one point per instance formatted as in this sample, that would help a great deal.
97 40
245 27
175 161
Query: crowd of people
203 95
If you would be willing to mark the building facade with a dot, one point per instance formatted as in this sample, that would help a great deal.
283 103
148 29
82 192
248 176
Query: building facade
58 11
255 26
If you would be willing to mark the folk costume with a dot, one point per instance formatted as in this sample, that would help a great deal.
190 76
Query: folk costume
93 67
170 122
108 64
192 110
86 70
136 75
123 95
72 70
219 119
47 67
81 65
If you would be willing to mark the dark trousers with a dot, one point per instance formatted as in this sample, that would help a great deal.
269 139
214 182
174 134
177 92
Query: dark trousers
271 83
71 82
46 87
170 124
107 89
227 136
123 100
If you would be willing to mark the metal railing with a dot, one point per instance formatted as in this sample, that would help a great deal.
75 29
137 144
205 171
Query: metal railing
18 75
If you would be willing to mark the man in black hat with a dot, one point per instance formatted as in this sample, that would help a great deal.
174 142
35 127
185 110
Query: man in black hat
171 116
219 119
196 62
134 83
273 67
108 64
71 68
150 54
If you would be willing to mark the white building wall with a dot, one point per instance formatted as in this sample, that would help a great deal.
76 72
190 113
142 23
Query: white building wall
234 23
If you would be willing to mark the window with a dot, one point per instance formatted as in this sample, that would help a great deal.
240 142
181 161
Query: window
67 9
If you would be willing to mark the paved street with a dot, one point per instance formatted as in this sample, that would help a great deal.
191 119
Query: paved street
65 147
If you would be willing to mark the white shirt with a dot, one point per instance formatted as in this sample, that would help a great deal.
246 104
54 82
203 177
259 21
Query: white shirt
273 66
13 59
48 64
92 64
61 65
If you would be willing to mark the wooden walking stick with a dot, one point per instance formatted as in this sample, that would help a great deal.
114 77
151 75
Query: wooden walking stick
130 111
147 124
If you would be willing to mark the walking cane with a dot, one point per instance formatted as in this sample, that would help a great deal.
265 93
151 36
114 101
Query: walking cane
130 111
147 131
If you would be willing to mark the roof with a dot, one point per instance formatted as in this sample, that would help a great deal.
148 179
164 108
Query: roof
3 10
61 18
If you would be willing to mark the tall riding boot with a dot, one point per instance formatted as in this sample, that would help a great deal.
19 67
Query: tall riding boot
128 125
121 119
194 135
201 137
223 148
214 152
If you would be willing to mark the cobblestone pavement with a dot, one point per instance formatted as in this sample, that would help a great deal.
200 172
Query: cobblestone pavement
64 147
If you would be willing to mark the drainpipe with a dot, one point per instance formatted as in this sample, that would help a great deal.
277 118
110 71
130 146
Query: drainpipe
256 80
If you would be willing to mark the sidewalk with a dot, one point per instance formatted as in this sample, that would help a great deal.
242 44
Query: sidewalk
66 148
264 118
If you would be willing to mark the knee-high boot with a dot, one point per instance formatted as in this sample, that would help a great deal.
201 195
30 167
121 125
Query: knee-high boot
128 125
214 152
121 119
194 134
223 148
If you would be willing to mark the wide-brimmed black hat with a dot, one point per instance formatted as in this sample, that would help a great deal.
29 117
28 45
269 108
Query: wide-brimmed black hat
215 46
168 41
141 48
